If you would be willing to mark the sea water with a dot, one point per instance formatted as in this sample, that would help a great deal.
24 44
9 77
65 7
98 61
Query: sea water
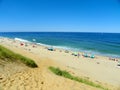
107 44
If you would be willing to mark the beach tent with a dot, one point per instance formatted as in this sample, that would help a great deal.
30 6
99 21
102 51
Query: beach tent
92 56
85 55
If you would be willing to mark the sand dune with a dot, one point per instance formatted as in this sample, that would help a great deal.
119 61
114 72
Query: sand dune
40 79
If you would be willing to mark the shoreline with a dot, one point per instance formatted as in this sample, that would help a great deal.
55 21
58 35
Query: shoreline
65 48
99 69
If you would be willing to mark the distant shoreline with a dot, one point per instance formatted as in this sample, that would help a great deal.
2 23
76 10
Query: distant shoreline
60 48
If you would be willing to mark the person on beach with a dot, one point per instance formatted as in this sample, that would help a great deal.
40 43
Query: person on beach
78 54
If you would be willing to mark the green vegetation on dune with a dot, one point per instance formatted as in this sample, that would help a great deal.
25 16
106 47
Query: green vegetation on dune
66 74
6 54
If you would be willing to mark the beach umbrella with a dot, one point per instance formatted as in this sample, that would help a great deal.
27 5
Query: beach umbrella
21 44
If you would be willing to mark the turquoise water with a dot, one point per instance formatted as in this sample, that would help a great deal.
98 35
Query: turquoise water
107 44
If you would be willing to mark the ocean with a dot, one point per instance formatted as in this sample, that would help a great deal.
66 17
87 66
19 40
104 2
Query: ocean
107 44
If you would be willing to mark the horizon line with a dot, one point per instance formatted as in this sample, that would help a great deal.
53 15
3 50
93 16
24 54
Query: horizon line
54 31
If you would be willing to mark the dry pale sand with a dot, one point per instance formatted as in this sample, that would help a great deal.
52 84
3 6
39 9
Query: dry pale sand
106 72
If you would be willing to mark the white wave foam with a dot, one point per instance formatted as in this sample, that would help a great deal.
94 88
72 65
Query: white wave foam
20 39
87 51
67 48
101 53
59 47
44 44
71 48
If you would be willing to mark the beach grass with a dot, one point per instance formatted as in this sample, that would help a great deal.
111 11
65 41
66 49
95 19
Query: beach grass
66 74
8 55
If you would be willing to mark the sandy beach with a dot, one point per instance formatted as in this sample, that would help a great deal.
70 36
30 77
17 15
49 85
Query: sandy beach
100 69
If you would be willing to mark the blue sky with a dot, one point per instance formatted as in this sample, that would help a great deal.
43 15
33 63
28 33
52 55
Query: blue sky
60 15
